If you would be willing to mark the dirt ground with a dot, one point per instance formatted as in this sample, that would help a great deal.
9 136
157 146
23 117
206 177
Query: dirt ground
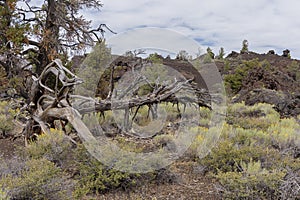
184 181
8 147
189 183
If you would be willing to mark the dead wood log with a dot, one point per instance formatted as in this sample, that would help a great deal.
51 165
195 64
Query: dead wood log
49 104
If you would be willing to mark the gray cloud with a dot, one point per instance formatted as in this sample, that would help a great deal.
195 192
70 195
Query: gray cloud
267 24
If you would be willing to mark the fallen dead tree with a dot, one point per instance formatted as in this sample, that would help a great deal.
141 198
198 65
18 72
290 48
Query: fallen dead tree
55 102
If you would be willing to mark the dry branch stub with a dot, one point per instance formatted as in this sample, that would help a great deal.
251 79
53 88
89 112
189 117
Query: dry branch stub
164 82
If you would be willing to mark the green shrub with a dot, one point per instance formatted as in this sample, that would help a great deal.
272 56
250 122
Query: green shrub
285 133
259 116
234 81
253 182
34 179
6 118
54 147
227 156
155 58
207 59
294 69
91 175
256 152
3 194
94 177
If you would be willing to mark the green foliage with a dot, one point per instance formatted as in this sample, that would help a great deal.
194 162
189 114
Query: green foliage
285 133
253 182
35 179
93 68
12 28
172 111
155 58
183 55
245 47
94 177
91 175
207 59
258 116
255 153
227 66
6 118
294 69
128 145
210 53
221 53
54 147
234 81
155 72
3 194
228 154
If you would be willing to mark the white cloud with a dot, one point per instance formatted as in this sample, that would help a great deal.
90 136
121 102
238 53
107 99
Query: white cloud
267 24
152 38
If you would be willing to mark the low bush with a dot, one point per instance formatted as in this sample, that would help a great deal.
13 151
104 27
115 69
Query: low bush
3 194
94 177
34 179
253 182
254 158
56 154
6 118
91 175
53 146
258 116
234 81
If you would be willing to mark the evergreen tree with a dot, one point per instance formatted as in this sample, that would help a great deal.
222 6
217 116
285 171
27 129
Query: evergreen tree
210 53
221 53
245 47
49 30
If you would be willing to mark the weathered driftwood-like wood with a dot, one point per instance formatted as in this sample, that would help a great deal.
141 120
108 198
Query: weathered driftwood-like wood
49 104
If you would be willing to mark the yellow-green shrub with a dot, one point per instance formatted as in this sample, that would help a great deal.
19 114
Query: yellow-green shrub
227 156
285 133
258 116
253 182
94 177
6 118
254 154
3 194
35 179
53 146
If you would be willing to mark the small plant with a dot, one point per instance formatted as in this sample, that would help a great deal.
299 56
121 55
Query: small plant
221 53
3 195
245 47
210 53
285 133
183 55
94 177
294 70
257 155
155 58
53 146
259 116
234 81
35 179
253 182
6 118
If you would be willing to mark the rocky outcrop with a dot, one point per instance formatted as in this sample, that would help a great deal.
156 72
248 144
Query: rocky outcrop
275 81
285 103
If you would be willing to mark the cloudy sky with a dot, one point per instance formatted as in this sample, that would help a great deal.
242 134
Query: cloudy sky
266 24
